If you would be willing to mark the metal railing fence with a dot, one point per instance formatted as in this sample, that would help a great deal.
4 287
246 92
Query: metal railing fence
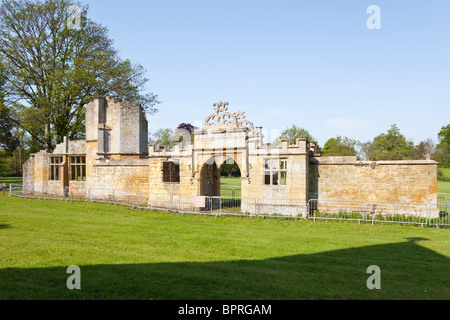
397 212
351 210
439 215
336 210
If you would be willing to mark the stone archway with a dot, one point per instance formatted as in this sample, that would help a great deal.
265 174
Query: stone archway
226 136
210 180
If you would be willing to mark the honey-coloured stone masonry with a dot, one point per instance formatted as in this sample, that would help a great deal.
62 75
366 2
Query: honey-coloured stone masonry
116 162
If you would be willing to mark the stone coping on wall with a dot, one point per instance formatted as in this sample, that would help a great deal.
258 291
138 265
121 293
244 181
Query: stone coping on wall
355 162
122 162
69 147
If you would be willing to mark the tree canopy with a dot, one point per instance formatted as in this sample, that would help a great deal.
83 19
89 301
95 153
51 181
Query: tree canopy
163 137
8 141
294 132
390 146
442 153
187 126
444 136
230 170
52 70
340 146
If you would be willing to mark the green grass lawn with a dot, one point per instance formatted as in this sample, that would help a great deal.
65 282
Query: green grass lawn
230 184
444 186
127 254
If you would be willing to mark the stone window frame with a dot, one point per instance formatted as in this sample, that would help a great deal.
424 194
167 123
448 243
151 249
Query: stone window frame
77 168
55 168
275 171
171 172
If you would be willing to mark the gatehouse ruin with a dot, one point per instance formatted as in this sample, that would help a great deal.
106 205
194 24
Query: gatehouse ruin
116 160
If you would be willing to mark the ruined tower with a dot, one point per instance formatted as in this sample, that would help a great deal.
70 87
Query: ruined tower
116 130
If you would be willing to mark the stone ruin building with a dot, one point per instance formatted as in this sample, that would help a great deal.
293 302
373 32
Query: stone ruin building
116 161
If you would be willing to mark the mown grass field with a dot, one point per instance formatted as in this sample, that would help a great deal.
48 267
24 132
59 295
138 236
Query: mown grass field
444 186
230 181
230 187
128 254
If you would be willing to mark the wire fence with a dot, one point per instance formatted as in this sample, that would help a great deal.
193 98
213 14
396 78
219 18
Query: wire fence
369 212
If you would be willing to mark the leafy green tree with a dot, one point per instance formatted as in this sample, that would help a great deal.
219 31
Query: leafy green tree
8 141
163 137
444 136
442 154
340 146
390 146
230 170
293 133
53 70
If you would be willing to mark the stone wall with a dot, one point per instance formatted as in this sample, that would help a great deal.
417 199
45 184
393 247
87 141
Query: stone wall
28 176
72 147
121 174
119 166
76 189
161 193
297 160
55 188
345 178
41 174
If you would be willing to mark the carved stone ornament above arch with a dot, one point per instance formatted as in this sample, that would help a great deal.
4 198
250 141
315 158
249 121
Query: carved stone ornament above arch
222 119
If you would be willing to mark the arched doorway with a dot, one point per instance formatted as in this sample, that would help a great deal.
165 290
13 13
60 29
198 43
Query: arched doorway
210 180
223 180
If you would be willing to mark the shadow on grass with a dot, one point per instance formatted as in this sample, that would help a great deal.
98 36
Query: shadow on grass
408 271
4 226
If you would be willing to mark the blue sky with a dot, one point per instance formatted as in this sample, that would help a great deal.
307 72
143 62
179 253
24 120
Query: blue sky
310 63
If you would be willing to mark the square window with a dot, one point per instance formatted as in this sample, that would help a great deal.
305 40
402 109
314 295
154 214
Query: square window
275 172
171 172
78 168
55 170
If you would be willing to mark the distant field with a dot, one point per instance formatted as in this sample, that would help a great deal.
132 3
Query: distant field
9 180
446 172
233 181
230 187
444 186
